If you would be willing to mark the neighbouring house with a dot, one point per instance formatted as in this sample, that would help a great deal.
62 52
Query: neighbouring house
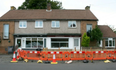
48 28
109 37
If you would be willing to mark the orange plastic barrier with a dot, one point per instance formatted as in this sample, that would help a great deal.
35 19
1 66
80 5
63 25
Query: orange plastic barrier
66 55
59 56
35 55
50 56
44 56
110 54
89 55
62 56
99 55
77 55
22 53
114 54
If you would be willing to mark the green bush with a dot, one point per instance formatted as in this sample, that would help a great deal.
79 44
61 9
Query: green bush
85 40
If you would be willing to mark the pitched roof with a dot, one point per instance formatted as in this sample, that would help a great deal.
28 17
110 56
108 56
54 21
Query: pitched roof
54 14
107 31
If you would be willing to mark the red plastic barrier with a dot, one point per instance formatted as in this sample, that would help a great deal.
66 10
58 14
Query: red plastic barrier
50 56
44 56
59 56
110 54
89 55
33 55
99 55
66 55
77 55
62 56
114 54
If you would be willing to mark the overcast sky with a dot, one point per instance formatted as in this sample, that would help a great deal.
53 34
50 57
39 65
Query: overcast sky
104 10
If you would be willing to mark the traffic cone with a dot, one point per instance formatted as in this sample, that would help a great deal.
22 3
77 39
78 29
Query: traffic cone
54 60
14 59
18 54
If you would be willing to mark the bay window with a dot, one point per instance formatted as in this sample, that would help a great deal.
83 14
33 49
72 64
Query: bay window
110 42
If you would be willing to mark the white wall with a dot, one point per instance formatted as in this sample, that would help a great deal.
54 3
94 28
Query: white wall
48 42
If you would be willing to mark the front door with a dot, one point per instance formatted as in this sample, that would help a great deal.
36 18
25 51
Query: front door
18 42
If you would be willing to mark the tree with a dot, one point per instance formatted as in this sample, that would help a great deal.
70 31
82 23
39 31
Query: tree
85 40
113 28
40 4
96 34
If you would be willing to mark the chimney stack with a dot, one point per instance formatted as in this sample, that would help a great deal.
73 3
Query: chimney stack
87 8
49 7
12 8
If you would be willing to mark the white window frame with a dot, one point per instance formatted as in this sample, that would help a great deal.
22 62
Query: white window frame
110 39
55 24
22 22
38 24
72 24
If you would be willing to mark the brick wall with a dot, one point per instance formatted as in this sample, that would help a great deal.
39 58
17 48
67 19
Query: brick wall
83 29
5 42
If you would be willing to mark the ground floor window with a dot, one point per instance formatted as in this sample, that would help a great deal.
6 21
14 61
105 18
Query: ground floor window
34 42
110 42
59 42
76 42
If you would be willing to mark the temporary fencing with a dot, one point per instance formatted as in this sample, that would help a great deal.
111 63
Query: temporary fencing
99 55
67 55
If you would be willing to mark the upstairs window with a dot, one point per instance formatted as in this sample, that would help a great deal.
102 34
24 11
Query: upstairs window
39 24
6 31
88 29
72 24
22 24
55 24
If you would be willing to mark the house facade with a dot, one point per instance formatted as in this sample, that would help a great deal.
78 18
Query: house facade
109 37
48 28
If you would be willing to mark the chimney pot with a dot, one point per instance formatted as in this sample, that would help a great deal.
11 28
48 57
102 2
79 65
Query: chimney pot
13 8
87 8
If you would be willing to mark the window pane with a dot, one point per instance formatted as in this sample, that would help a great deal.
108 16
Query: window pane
73 24
76 42
36 24
28 42
34 42
24 24
110 43
63 44
69 24
57 24
41 24
6 31
55 45
89 27
20 24
53 24
40 42
106 43
59 42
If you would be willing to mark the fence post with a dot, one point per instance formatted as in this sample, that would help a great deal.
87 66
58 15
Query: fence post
75 48
59 49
